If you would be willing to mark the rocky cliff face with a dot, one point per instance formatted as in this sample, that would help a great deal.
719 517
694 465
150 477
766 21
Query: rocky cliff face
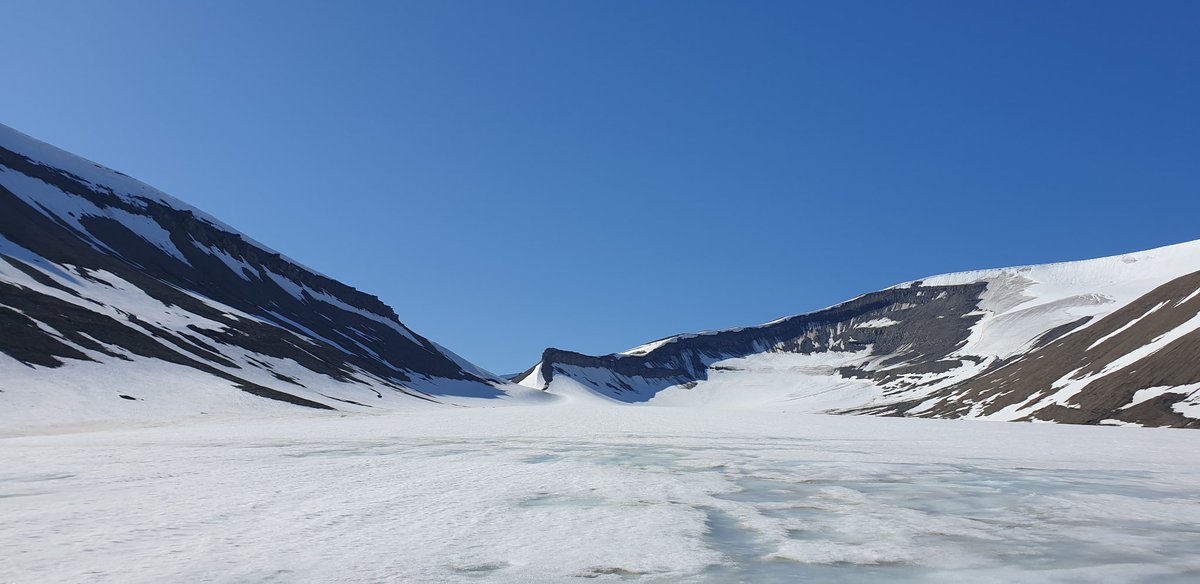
1115 340
1140 364
907 324
99 269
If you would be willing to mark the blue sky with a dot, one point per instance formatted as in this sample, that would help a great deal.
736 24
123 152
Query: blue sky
593 175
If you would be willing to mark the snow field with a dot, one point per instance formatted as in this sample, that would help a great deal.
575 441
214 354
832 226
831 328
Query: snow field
584 490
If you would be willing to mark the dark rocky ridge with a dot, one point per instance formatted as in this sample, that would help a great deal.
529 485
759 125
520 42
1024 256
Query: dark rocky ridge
1031 376
346 335
920 367
931 323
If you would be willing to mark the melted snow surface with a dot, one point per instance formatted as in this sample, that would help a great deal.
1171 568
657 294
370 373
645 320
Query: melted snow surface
648 494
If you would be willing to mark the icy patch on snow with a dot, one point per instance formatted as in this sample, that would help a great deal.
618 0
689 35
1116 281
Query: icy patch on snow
613 493
1016 330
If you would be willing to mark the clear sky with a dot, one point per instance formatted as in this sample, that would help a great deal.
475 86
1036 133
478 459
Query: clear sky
593 175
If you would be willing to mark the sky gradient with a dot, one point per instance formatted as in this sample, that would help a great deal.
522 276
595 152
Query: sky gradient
593 175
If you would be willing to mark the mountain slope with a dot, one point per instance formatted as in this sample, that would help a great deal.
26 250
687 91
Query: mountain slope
1113 340
110 288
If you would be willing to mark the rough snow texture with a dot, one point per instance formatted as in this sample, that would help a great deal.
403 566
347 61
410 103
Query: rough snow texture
586 491
118 301
1076 342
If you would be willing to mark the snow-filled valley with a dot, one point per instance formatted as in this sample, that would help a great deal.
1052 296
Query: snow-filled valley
179 403
583 490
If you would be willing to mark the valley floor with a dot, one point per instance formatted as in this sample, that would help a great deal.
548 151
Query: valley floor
615 493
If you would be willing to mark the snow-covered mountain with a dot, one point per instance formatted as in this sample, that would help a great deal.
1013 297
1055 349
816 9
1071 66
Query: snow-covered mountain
119 300
1112 340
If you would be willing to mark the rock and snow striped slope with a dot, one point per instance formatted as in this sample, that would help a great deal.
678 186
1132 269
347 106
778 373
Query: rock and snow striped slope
1113 340
117 300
